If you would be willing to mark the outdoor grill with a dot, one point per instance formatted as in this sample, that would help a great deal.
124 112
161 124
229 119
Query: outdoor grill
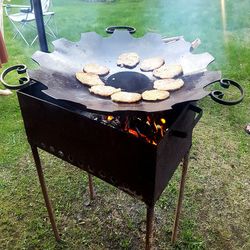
134 147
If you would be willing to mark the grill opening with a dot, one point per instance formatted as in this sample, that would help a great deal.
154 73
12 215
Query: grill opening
148 127
130 81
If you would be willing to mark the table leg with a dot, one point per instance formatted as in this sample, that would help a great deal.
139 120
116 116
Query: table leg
45 191
150 227
180 199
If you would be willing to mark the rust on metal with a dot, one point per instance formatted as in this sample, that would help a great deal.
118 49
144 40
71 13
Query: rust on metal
180 198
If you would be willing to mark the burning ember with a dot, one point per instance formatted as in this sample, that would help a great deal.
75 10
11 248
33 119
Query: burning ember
150 128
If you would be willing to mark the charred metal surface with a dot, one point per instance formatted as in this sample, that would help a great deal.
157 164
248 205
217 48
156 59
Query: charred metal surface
61 86
130 81
134 166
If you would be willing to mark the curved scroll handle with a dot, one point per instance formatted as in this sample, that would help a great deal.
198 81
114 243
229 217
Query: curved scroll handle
217 95
111 29
23 81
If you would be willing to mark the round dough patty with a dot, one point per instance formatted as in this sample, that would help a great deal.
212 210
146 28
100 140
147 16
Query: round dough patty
103 90
151 63
168 71
168 84
127 97
154 95
96 69
130 59
89 79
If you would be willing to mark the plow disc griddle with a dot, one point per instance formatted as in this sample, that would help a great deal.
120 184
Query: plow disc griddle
57 70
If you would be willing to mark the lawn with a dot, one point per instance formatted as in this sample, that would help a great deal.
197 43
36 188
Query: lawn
216 211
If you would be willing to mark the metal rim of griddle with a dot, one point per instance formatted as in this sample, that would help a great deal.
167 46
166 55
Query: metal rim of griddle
216 95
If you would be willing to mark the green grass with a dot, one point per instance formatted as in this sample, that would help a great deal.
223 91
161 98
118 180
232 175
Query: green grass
216 206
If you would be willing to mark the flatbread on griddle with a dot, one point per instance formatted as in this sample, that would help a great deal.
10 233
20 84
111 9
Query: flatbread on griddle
127 97
168 84
96 69
168 71
154 95
89 79
130 60
151 63
104 90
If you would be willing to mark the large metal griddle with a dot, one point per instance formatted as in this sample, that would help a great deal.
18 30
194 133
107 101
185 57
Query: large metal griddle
57 70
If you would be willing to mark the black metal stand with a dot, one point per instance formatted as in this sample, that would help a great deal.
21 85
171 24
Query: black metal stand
150 208
45 191
180 199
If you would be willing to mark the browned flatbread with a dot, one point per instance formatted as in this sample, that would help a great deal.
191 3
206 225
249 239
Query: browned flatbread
130 60
103 90
126 97
168 71
96 69
168 84
89 79
151 63
154 95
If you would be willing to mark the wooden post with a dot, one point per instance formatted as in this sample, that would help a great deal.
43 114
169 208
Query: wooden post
1 17
3 51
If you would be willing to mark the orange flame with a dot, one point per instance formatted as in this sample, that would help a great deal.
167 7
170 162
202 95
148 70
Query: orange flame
133 132
110 118
163 121
157 128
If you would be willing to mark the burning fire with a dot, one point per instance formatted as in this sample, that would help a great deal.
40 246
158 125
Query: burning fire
149 128
163 121
133 132
110 117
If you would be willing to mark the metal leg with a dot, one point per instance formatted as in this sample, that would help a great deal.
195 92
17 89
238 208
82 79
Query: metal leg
150 227
91 188
48 22
16 33
19 32
45 192
180 199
